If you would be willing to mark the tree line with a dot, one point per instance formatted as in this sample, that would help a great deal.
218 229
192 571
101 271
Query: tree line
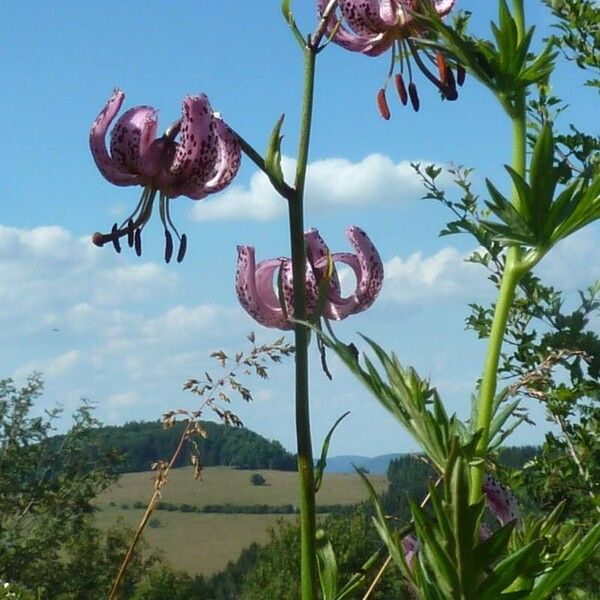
141 443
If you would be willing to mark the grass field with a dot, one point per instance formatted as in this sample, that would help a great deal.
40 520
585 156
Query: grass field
204 543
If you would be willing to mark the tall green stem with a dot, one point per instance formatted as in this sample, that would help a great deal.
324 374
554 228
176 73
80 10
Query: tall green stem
513 271
309 574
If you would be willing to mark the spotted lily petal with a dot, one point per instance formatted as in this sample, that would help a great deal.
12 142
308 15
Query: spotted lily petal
254 287
350 40
368 269
373 27
500 500
112 170
198 155
363 16
229 158
197 150
131 136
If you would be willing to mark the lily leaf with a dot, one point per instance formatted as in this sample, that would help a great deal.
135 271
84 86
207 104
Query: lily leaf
273 153
327 564
549 582
322 462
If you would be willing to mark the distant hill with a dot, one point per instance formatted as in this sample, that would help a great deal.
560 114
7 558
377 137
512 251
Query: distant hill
344 464
511 456
143 443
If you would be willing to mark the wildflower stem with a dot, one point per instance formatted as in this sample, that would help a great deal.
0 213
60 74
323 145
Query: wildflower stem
308 565
513 271
282 188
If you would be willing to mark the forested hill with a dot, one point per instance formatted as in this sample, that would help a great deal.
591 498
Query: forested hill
143 443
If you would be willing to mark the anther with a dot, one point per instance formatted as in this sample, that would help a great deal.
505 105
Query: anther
130 233
114 238
450 92
401 88
382 105
442 68
137 241
414 96
182 248
168 246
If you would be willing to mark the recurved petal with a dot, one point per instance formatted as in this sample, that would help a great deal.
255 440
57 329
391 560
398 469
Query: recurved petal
197 149
228 161
500 500
260 305
337 306
443 7
310 286
363 16
131 136
111 170
370 279
372 44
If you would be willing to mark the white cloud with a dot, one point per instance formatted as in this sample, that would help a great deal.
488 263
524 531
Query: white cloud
48 267
331 182
574 263
59 366
444 274
124 399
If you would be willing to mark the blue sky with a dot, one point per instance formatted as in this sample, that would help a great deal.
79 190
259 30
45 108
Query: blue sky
131 331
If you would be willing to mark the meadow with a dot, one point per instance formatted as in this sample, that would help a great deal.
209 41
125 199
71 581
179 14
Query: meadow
204 543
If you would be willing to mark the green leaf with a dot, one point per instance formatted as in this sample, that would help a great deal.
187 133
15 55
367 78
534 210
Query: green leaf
273 153
327 564
490 550
524 562
543 177
549 582
322 462
441 561
360 577
288 15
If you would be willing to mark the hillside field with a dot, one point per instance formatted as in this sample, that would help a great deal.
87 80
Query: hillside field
204 543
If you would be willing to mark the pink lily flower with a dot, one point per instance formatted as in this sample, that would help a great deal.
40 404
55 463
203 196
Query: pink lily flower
373 27
500 500
197 156
257 295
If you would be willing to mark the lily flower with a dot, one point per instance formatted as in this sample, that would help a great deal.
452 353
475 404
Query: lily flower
500 500
373 27
197 156
259 298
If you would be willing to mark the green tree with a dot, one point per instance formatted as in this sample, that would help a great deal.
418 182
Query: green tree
48 543
257 479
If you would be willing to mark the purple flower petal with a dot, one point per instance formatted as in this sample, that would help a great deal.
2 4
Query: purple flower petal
131 136
370 276
228 160
197 149
256 287
110 169
500 500
374 25
363 16
263 305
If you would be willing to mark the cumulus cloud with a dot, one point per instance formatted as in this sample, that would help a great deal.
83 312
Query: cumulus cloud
49 267
330 183
439 276
56 367
91 323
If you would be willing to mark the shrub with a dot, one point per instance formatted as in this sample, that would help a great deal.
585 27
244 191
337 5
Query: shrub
257 479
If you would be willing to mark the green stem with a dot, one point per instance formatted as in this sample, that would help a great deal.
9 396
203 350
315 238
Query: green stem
513 271
308 564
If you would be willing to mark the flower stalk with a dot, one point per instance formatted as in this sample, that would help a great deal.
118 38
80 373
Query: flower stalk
513 271
308 563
